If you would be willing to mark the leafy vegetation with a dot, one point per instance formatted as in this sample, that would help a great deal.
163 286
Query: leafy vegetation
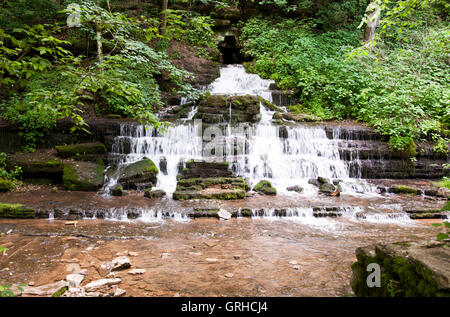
44 76
400 86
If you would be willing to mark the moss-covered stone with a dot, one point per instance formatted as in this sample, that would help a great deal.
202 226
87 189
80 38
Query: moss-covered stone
139 175
6 185
265 187
83 176
407 270
117 190
36 165
401 189
154 193
446 206
81 151
15 211
269 105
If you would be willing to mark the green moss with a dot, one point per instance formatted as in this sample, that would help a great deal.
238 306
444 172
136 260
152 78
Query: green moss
245 212
15 211
399 276
446 206
74 180
400 189
269 105
265 187
80 150
60 292
6 185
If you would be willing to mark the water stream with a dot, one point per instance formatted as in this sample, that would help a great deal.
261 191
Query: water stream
306 153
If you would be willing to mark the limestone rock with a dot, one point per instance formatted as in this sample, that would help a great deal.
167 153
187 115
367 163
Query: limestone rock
98 285
223 214
74 280
120 263
44 290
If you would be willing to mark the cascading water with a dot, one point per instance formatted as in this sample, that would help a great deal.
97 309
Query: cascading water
304 152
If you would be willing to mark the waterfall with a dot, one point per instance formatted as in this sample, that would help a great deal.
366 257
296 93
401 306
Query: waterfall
302 153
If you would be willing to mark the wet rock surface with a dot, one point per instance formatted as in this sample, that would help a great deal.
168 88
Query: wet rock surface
195 258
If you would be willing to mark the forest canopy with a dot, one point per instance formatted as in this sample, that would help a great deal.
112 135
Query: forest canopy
113 62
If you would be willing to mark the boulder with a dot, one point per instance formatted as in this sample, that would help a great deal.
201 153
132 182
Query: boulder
327 189
408 269
83 176
158 193
139 175
265 187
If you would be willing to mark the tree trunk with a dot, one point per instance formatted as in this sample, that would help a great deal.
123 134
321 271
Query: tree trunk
162 28
373 19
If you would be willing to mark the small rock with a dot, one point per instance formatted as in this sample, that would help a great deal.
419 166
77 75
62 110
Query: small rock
293 262
111 275
84 272
74 280
296 267
102 283
195 253
71 223
119 292
176 295
31 284
9 231
137 271
133 253
165 255
223 214
236 257
211 260
120 263
229 275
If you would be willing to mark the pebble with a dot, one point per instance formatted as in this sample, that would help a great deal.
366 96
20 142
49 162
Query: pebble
133 253
137 271
296 267
211 260
31 284
165 255
195 253
229 275
236 257
293 262
71 223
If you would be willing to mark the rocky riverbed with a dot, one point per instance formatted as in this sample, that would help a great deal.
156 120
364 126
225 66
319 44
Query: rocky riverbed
202 257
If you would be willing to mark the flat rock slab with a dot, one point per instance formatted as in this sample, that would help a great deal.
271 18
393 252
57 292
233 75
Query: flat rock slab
44 290
121 263
98 285
137 271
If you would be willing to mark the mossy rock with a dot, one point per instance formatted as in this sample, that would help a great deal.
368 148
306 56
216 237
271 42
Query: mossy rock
269 105
117 190
327 188
408 269
158 193
36 164
81 151
142 174
15 211
446 206
220 195
6 185
265 187
204 213
401 189
83 176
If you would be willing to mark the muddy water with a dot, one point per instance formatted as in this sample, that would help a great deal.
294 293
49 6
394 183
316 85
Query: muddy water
174 254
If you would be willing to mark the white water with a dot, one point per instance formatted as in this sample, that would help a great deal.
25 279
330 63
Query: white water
306 153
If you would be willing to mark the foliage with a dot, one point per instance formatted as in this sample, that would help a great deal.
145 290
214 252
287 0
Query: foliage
12 175
45 82
400 88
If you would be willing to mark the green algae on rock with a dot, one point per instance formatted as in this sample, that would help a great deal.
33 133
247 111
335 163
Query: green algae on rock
82 151
83 176
265 187
15 211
